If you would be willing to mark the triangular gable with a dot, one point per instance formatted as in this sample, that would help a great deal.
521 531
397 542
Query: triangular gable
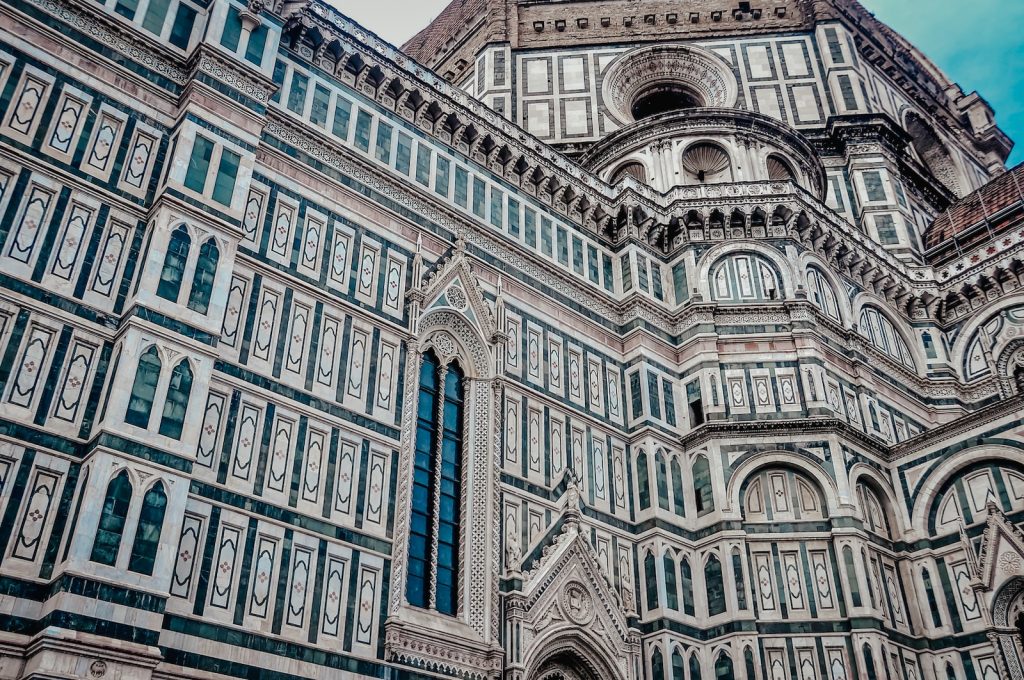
552 588
451 284
1002 549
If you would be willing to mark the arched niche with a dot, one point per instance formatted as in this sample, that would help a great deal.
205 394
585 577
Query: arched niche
782 494
932 152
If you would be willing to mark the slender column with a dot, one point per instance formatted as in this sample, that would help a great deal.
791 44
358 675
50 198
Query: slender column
435 506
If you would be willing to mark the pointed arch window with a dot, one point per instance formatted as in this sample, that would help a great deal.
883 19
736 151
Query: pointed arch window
147 534
686 576
671 588
715 586
694 667
662 478
173 270
107 543
176 403
651 581
702 492
748 662
741 586
933 604
657 666
677 488
869 663
140 402
851 576
643 481
437 488
678 666
723 667
950 673
202 279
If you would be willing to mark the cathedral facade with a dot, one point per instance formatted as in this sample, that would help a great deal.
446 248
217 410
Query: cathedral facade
574 340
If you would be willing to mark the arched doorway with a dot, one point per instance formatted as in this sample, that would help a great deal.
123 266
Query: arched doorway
565 666
1008 621
572 656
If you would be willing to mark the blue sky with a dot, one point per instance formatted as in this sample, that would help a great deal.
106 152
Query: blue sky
978 43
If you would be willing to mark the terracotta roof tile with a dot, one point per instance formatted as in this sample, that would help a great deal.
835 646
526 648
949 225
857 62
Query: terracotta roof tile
448 23
999 205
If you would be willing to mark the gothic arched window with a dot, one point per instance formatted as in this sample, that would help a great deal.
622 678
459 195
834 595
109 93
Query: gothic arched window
651 581
702 492
147 534
107 543
694 667
821 294
715 586
174 265
643 481
929 591
723 667
671 589
851 576
661 473
657 666
437 488
677 666
748 662
202 280
881 333
741 587
869 663
176 403
677 488
686 575
147 375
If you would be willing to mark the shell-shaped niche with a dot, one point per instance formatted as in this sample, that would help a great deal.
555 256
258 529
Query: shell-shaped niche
707 163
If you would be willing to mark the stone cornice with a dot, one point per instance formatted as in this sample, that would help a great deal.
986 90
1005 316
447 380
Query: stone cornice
952 430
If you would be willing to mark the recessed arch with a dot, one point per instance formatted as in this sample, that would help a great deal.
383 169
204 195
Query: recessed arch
631 168
934 483
878 327
932 151
781 268
574 648
707 162
750 464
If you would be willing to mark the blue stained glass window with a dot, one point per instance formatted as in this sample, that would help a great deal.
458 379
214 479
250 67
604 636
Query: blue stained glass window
436 490
442 176
715 586
702 491
297 94
227 173
199 164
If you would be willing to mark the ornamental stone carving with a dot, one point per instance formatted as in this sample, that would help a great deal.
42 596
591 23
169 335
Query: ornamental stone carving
701 72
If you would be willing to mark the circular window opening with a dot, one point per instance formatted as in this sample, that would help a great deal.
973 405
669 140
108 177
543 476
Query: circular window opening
663 98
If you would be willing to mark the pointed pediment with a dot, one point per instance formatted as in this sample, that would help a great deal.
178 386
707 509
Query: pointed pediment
568 578
1001 556
452 285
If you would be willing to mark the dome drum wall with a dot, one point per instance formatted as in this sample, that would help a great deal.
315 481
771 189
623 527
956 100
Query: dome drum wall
706 146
